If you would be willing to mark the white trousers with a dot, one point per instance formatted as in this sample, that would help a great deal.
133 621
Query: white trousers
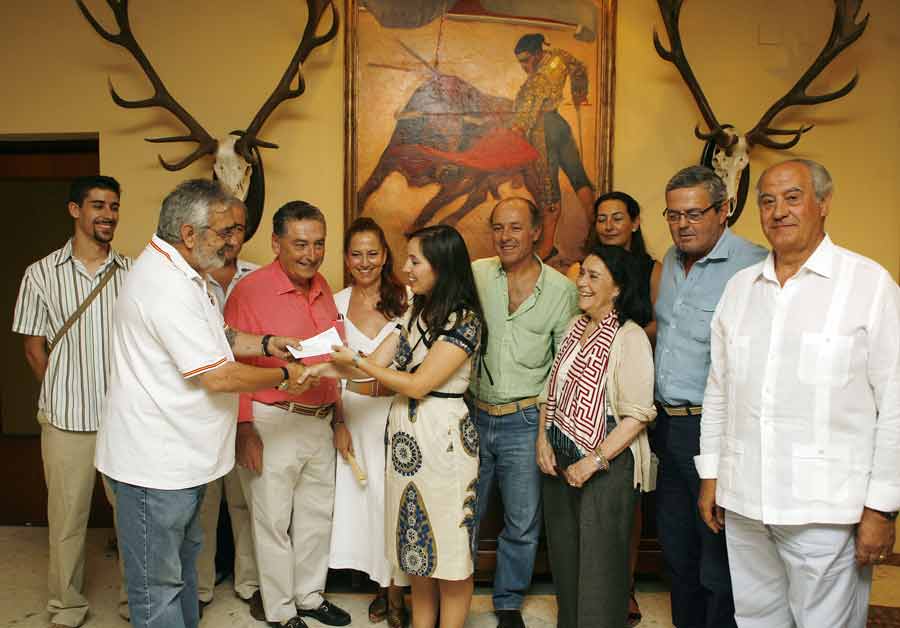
796 576
291 504
246 579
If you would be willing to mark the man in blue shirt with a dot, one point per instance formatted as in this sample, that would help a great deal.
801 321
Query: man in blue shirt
705 256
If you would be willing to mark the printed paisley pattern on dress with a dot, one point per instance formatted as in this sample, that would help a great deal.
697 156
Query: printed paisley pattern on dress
470 507
404 351
416 545
468 434
464 331
405 454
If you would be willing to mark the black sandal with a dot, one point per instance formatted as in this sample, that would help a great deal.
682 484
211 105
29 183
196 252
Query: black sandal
397 616
634 617
378 609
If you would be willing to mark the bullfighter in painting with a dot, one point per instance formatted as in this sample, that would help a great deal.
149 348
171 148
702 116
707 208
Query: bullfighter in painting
537 118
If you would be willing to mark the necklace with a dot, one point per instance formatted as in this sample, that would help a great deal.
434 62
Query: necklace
369 301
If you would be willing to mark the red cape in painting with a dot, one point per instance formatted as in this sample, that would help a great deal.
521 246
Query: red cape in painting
498 150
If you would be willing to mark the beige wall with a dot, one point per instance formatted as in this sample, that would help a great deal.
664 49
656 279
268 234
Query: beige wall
222 60
855 137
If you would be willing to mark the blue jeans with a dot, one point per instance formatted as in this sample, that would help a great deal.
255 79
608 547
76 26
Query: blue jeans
507 458
159 538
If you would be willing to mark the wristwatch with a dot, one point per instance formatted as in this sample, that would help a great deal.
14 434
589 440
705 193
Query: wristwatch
890 516
284 382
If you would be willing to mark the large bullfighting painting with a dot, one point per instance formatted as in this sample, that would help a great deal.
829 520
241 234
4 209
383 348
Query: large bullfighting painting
455 104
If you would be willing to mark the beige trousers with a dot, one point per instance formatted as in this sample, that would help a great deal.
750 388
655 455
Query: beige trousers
246 578
69 471
291 503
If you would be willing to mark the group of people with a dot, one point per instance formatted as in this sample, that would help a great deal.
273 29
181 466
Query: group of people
775 372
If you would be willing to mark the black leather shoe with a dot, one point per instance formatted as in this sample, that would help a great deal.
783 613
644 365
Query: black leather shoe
256 606
328 614
293 622
509 619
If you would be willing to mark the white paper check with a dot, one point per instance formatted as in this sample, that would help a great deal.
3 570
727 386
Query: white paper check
317 345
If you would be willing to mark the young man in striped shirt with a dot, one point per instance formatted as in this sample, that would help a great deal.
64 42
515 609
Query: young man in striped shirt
73 368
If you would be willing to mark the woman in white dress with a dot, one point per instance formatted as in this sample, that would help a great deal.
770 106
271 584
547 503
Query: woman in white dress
432 465
371 306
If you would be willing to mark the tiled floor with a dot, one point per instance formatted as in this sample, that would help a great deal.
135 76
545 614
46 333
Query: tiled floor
23 590
884 605
23 569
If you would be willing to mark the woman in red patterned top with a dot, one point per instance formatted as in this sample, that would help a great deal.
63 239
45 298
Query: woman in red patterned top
592 445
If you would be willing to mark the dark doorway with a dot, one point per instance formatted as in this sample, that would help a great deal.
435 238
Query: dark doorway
34 179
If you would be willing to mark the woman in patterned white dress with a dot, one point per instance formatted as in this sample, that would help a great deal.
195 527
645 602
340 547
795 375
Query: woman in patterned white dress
432 442
371 307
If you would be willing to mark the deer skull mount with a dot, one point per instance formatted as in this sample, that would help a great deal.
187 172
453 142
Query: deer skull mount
727 151
729 164
238 163
232 169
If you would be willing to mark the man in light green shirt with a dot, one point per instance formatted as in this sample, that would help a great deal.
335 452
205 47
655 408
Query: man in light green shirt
528 306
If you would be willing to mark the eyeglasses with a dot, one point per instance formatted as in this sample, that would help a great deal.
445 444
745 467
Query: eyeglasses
692 215
230 232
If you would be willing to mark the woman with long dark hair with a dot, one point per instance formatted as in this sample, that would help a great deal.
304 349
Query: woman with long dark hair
617 222
372 306
432 441
592 441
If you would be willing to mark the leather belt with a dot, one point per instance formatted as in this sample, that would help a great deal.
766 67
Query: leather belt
319 412
682 410
370 388
501 409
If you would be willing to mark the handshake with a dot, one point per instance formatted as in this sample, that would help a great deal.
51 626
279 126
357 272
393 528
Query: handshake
303 377
299 378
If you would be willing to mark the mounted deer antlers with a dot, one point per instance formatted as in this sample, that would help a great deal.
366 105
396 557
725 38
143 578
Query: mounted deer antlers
283 90
732 155
237 154
161 97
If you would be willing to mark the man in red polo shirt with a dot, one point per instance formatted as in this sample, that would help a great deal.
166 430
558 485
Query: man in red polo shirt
284 443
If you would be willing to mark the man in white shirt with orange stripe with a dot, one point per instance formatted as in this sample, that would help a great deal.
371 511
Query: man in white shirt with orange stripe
168 424
801 417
